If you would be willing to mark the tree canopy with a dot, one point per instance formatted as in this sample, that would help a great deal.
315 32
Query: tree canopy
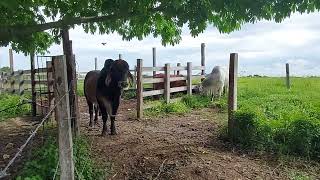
34 25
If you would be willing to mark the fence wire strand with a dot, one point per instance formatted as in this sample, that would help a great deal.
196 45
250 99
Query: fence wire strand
3 173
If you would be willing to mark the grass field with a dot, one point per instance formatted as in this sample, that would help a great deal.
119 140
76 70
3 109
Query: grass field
270 117
273 118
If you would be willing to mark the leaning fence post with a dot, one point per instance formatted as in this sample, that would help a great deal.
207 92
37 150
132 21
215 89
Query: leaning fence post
139 89
288 75
189 78
63 117
167 83
232 97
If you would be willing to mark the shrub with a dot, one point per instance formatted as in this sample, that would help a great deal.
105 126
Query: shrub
43 161
11 106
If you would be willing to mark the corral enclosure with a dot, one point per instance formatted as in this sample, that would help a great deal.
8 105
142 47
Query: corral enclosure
270 116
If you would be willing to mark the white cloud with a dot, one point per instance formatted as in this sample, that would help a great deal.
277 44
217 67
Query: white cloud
263 48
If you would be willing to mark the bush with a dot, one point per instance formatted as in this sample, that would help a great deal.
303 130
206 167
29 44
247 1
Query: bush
43 161
11 106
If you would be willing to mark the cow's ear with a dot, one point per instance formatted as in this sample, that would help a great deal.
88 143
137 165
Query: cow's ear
108 80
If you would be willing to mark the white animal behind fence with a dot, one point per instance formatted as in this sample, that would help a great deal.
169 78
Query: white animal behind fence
216 83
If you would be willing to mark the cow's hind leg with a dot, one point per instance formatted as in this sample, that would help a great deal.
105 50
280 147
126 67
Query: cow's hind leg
96 111
90 105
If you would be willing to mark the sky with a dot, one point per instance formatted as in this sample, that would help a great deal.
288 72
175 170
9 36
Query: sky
263 48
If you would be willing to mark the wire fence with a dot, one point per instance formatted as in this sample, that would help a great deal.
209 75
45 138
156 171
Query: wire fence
3 173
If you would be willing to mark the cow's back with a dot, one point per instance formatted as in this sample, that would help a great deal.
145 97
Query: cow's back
90 86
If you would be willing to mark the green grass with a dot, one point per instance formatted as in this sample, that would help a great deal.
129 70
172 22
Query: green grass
10 106
272 118
43 161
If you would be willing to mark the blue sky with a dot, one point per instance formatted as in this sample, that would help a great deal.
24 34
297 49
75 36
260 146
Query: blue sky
263 47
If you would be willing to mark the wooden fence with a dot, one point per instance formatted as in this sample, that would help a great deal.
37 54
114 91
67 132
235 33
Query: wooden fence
19 82
168 70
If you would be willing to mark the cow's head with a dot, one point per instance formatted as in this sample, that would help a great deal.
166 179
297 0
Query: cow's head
119 74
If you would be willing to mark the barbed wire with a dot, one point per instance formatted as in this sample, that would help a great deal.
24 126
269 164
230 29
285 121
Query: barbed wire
3 173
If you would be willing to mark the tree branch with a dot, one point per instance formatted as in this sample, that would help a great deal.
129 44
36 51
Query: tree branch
10 32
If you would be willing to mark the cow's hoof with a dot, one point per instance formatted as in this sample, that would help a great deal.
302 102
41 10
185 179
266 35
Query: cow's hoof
113 133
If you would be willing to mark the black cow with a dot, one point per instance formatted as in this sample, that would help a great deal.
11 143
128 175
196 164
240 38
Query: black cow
106 88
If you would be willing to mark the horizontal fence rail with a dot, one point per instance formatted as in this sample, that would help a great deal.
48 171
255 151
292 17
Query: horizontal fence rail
164 81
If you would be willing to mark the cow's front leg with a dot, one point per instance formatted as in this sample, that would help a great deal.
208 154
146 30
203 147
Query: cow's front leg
104 118
115 107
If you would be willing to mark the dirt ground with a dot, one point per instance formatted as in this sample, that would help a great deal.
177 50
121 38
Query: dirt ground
171 147
14 133
174 147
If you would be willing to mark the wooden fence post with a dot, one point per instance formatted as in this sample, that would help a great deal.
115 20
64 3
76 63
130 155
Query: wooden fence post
1 82
232 97
189 78
154 58
288 76
203 58
178 72
63 118
33 86
95 64
11 60
21 83
167 82
120 56
72 80
139 89
49 83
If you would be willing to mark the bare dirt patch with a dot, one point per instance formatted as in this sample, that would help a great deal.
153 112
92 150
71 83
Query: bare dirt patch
13 133
174 147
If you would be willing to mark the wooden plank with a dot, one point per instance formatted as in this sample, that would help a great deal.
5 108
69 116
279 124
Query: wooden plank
63 119
198 76
152 80
152 93
139 89
288 76
178 78
232 97
149 69
198 68
42 70
178 89
189 78
167 83
178 68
